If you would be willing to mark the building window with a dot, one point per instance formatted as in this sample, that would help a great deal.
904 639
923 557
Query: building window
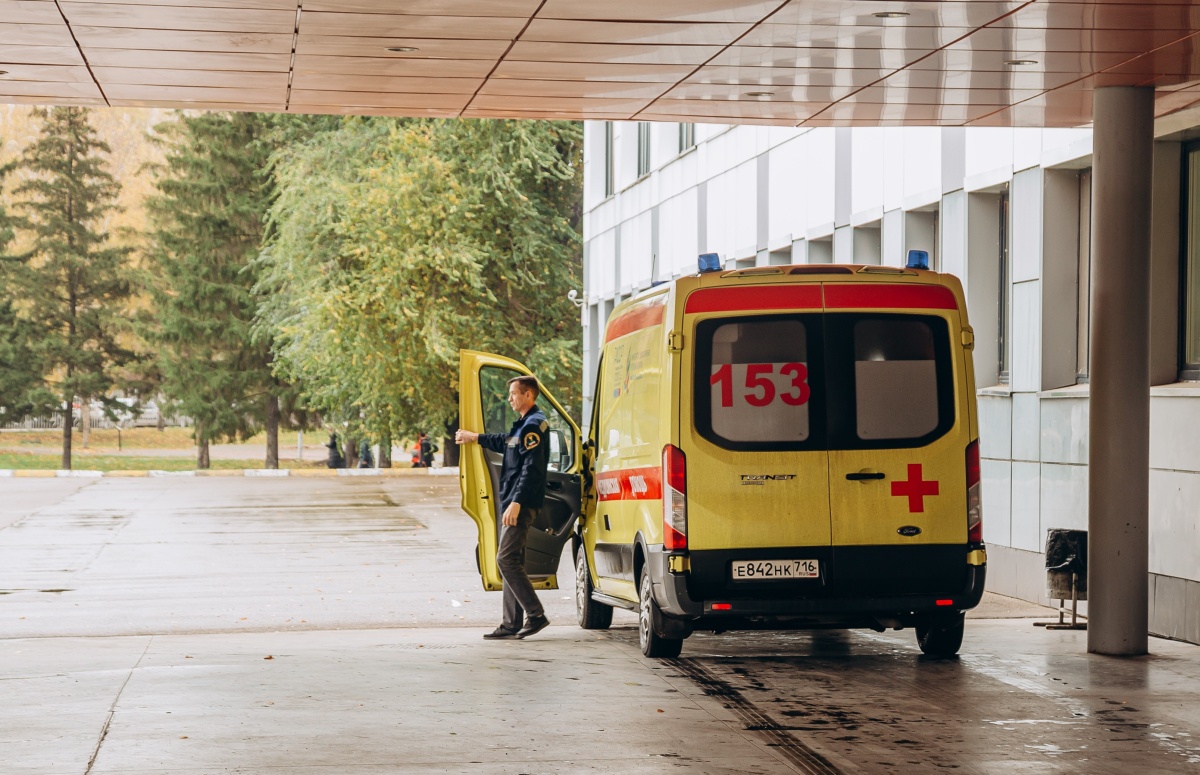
609 188
687 137
643 148
1005 305
1083 357
1190 296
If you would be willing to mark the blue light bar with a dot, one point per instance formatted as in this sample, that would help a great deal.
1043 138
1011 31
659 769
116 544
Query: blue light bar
918 259
709 262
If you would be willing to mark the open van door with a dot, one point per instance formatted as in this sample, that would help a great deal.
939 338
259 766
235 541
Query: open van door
483 408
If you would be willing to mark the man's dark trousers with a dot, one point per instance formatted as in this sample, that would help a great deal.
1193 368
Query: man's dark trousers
519 597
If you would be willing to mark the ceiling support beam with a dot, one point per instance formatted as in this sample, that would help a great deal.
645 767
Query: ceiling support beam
1119 450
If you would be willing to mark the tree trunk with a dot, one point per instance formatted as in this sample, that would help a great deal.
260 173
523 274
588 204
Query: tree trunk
272 460
351 453
202 460
85 421
385 452
68 422
162 421
449 448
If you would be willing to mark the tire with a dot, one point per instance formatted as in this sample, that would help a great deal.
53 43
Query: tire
941 636
590 614
653 644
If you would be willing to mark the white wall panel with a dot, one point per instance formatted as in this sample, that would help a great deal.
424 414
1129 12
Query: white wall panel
1026 427
1065 430
745 207
601 276
786 199
893 170
997 501
1026 216
866 169
988 150
721 191
1064 497
1026 507
819 171
677 234
1027 148
1026 361
952 239
1175 523
995 426
636 252
922 162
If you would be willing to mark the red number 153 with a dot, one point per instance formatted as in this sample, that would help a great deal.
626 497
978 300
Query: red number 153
760 388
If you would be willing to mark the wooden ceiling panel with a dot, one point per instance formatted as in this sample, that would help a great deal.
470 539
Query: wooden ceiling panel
858 37
264 5
44 100
395 66
35 34
610 53
248 94
383 83
426 48
645 33
748 108
233 79
778 93
933 13
566 71
589 89
177 40
408 26
48 73
163 17
445 102
368 110
29 12
583 106
188 60
732 11
522 9
77 89
40 55
238 107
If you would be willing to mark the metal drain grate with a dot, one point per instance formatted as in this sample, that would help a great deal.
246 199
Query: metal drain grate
799 755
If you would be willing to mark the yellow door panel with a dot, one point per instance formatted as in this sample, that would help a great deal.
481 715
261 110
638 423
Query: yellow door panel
482 409
900 496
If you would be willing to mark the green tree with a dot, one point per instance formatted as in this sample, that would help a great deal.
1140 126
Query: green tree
19 377
398 243
206 225
73 286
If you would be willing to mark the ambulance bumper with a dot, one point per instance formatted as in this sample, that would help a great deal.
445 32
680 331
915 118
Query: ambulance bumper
816 607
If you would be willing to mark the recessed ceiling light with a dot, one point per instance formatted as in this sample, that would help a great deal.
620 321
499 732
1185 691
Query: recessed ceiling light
1015 62
760 94
403 49
890 15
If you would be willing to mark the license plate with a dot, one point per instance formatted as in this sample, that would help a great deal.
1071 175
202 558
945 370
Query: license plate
767 570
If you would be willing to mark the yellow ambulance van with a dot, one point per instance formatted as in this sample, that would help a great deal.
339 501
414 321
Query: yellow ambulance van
770 448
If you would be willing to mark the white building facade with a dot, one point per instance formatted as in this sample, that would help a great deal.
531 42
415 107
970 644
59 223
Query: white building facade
1006 210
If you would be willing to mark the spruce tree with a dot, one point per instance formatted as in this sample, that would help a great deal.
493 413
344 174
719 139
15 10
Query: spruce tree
207 224
73 285
18 373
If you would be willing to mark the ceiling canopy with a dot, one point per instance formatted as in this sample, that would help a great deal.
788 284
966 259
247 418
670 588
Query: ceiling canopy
794 63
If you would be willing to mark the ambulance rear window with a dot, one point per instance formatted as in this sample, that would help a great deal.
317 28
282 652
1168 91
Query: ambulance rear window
754 382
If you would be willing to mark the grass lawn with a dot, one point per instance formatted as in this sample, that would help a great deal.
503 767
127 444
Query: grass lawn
137 438
92 462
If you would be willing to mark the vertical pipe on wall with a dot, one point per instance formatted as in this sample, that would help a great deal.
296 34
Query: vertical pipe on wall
1119 454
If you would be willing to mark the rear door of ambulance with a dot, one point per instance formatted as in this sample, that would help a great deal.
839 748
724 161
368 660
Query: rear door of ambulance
898 439
752 433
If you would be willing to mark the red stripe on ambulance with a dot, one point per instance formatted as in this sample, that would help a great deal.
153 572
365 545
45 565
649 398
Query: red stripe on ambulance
868 296
630 484
754 297
641 316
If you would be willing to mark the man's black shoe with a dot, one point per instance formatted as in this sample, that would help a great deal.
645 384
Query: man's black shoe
533 626
501 633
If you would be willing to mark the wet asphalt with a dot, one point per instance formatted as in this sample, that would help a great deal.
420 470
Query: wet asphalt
228 625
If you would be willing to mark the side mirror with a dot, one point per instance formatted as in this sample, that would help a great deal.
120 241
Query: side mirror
560 451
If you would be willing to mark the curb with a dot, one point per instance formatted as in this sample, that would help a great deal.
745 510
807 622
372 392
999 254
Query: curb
33 473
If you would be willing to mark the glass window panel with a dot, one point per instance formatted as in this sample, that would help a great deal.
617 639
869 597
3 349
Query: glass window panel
758 381
1191 312
895 379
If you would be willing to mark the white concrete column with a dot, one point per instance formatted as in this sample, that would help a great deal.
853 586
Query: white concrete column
1119 456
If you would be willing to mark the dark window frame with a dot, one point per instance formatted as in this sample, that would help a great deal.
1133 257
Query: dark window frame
1188 370
609 177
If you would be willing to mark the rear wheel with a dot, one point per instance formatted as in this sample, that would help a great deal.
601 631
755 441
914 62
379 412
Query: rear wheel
653 644
941 636
590 614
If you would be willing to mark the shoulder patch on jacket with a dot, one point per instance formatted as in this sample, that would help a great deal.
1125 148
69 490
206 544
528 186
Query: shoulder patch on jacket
544 426
531 440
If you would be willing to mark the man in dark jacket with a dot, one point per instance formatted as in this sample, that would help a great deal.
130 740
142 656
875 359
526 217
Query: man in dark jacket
522 492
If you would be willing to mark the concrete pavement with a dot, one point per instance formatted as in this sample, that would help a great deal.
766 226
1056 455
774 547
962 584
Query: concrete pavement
333 626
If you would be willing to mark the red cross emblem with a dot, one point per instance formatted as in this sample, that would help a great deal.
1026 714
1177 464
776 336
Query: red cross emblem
915 489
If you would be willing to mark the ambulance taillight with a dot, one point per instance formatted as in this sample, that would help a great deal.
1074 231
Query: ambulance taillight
974 495
674 476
